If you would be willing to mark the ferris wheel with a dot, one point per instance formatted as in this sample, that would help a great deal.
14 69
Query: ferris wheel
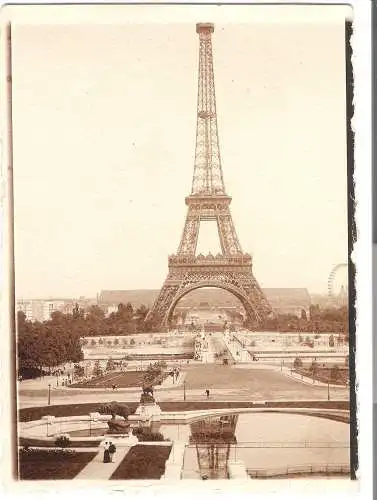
338 279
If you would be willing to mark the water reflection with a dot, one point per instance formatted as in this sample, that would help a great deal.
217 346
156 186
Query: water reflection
212 438
263 442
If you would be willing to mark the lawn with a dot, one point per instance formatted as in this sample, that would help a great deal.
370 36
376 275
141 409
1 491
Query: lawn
120 379
143 462
324 374
52 464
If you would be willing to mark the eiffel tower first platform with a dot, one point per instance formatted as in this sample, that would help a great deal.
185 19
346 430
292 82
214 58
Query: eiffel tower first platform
231 269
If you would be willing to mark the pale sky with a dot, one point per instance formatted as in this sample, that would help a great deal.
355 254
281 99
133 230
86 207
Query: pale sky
104 138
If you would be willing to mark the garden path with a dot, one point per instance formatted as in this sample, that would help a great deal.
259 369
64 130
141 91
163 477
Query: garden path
96 469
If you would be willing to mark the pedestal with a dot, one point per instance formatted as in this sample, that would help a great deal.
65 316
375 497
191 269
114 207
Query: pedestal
120 439
146 412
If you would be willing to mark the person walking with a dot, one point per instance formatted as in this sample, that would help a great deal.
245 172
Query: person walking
207 393
112 450
106 453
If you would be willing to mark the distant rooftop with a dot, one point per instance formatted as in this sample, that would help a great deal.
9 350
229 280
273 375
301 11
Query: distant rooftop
278 297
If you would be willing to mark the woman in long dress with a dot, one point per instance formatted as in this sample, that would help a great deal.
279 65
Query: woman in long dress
106 454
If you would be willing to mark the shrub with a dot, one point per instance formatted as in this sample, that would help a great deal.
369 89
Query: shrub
297 364
97 370
79 370
62 441
145 434
110 366
313 367
335 373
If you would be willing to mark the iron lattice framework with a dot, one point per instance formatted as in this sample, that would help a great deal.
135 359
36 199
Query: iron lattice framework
208 201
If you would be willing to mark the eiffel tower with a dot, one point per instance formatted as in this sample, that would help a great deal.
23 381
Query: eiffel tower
231 269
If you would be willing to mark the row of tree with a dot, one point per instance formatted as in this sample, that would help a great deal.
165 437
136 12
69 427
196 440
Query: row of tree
46 345
57 341
334 319
333 374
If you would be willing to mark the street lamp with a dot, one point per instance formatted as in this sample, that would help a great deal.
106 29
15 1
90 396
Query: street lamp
184 390
49 394
328 390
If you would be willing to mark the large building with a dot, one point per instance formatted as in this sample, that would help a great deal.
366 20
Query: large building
282 300
42 309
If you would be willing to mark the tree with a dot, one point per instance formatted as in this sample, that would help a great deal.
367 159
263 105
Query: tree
110 365
331 341
304 316
297 364
93 342
335 373
116 341
48 344
132 342
313 367
78 313
97 370
78 371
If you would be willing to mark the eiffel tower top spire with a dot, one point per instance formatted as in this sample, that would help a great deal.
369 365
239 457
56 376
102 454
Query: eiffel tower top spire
208 177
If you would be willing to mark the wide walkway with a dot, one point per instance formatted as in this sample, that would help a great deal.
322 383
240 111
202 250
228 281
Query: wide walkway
253 382
98 470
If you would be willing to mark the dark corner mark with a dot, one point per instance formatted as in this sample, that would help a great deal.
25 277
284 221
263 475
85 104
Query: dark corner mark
351 241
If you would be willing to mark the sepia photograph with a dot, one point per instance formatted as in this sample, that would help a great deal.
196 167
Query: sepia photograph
184 296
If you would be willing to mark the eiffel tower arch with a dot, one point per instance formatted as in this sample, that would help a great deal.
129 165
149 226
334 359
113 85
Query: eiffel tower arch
231 269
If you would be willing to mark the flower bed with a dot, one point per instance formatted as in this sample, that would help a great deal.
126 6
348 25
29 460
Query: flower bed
48 443
143 462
